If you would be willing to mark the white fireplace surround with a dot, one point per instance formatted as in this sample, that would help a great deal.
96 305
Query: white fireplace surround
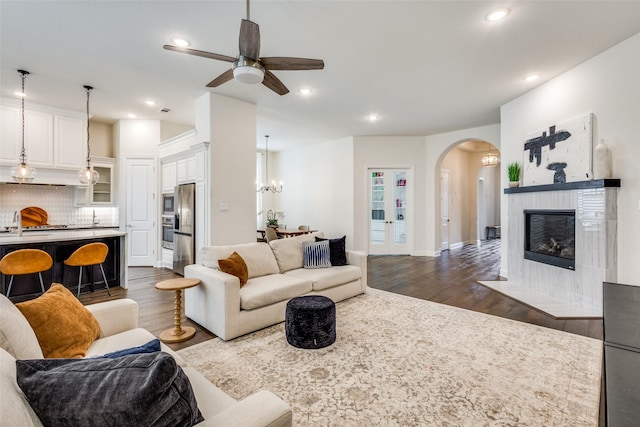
561 292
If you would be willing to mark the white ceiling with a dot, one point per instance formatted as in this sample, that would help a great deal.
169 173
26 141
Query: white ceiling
424 67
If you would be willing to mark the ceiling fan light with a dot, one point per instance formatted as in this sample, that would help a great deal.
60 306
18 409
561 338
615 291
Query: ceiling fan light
248 75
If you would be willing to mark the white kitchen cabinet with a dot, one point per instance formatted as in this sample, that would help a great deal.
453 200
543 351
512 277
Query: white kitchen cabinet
181 171
10 134
70 142
169 177
103 192
38 138
192 169
53 138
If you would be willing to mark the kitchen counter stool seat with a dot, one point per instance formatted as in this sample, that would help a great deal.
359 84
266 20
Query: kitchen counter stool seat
89 255
25 261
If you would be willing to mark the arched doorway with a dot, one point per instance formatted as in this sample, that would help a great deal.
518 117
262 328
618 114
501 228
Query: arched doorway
472 193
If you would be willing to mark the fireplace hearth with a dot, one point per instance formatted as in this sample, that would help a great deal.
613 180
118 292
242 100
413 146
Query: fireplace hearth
550 237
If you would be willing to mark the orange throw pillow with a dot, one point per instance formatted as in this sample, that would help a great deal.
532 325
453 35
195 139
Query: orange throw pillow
236 266
63 326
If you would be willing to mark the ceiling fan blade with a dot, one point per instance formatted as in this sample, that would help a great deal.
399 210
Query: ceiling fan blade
274 83
284 63
222 78
199 53
250 39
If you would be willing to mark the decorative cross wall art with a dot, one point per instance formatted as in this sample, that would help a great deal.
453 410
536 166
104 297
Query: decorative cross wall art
561 153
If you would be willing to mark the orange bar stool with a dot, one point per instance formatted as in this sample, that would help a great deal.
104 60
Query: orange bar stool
25 261
86 256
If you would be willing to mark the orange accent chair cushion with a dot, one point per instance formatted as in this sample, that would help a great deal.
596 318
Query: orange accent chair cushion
236 266
63 326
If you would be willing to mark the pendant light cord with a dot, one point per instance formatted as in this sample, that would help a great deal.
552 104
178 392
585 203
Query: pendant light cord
22 151
88 89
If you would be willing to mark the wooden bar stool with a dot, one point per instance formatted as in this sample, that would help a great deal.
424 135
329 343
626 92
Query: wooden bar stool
25 261
89 255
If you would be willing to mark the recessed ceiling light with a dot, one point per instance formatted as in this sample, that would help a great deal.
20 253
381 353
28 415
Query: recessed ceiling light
373 117
150 102
532 77
20 94
178 41
497 14
131 116
305 91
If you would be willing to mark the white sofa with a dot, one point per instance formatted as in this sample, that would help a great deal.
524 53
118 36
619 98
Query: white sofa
276 275
118 321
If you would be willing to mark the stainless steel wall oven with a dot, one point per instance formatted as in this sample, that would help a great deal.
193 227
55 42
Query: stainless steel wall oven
167 231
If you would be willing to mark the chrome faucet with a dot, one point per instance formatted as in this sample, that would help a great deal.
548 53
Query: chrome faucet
96 221
17 218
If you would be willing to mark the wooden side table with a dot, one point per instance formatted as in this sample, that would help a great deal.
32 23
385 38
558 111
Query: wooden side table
178 333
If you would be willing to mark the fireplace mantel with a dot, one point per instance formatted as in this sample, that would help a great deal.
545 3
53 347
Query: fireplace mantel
578 185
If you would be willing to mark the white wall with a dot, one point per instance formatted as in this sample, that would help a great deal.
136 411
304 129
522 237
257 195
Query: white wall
389 152
437 147
318 188
232 175
608 85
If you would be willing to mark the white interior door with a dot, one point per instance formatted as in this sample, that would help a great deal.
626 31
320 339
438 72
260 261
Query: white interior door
444 210
141 211
389 211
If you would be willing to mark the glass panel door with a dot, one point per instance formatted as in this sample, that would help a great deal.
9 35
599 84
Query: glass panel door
377 223
389 211
400 207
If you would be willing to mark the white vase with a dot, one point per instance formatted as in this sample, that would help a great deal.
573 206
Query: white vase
602 161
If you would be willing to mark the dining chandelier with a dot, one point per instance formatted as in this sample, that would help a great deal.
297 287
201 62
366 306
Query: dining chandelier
269 187
88 175
23 172
491 158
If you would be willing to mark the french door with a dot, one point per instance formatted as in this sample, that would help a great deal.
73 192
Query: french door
390 211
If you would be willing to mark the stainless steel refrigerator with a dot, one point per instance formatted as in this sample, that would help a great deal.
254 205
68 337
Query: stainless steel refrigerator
184 227
622 354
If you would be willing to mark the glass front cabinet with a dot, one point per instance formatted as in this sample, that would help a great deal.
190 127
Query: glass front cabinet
389 211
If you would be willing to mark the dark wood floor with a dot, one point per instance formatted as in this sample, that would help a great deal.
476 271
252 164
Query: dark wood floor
449 279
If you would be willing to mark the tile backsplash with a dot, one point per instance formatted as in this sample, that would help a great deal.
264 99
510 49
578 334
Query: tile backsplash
57 201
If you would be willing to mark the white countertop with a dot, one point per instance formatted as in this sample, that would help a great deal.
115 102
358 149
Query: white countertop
57 235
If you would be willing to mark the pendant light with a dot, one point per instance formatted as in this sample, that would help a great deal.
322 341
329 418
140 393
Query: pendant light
491 158
22 172
88 175
269 187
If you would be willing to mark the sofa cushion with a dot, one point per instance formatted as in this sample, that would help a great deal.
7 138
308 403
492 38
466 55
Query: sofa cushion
337 250
266 290
288 252
211 400
316 254
150 347
63 326
126 339
14 406
16 335
258 257
235 266
149 389
327 277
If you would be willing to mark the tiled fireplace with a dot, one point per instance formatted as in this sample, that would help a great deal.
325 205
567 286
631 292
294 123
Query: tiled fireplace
562 270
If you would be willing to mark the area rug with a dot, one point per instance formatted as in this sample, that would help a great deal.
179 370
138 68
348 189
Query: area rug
400 361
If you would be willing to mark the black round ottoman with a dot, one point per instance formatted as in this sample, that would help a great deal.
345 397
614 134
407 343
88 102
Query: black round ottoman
310 321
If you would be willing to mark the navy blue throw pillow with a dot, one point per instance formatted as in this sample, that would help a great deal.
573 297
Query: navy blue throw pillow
150 347
137 390
337 251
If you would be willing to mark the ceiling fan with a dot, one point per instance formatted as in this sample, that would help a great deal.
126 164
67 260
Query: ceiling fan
248 67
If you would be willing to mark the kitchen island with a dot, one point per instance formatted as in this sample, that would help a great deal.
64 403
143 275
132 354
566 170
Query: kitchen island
60 244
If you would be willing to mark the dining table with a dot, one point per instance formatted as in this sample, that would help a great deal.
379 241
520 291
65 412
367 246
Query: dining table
284 233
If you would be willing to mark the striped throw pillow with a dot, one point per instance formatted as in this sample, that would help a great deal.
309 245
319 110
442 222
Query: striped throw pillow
316 254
